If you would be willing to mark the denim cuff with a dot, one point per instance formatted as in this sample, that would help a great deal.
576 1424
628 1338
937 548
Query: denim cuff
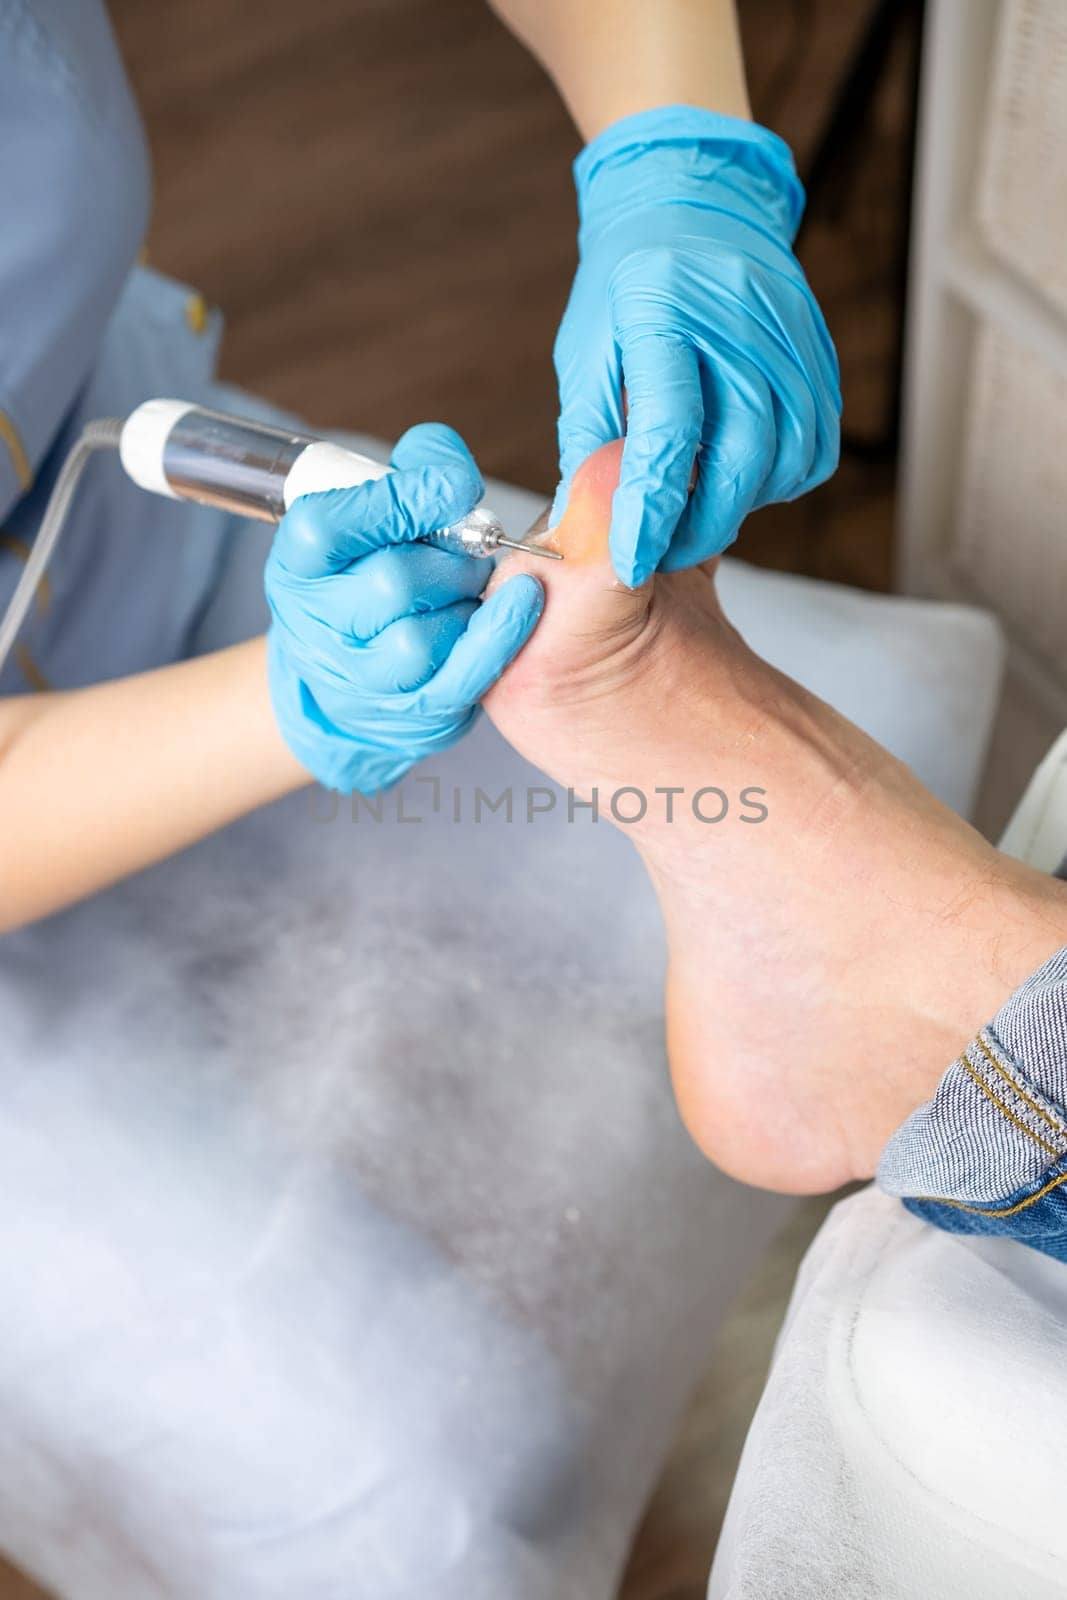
988 1153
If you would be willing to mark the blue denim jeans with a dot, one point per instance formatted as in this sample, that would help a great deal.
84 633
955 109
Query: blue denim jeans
988 1153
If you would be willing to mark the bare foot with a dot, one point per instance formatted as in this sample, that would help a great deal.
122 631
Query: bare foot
828 961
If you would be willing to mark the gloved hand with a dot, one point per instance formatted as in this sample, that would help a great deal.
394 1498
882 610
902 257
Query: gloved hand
379 650
689 294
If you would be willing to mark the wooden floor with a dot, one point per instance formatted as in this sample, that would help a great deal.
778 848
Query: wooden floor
377 192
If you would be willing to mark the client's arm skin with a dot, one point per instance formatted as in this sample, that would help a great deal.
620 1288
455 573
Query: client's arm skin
99 782
611 58
827 964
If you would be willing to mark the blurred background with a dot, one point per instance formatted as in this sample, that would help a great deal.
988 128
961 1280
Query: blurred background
377 194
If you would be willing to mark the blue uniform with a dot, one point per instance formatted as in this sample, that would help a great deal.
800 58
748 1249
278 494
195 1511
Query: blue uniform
83 336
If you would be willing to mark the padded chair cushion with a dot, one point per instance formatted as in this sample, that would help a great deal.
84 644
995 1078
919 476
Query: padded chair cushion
351 1241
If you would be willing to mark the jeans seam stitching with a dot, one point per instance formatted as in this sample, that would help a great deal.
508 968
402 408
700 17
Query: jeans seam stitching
1003 1109
991 1211
1056 1126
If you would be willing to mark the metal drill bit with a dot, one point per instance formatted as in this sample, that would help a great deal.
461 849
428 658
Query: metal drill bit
531 549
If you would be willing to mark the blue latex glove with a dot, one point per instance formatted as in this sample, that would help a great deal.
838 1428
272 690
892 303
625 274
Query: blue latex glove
379 650
689 294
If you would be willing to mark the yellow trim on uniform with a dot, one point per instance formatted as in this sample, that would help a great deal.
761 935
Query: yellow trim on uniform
197 314
25 662
21 550
30 670
17 451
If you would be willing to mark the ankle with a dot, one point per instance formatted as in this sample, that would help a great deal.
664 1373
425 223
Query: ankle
1017 921
773 790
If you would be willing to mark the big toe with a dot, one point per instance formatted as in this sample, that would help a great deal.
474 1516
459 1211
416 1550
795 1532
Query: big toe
588 612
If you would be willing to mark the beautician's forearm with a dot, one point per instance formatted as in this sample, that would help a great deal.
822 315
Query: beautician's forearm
100 782
610 58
